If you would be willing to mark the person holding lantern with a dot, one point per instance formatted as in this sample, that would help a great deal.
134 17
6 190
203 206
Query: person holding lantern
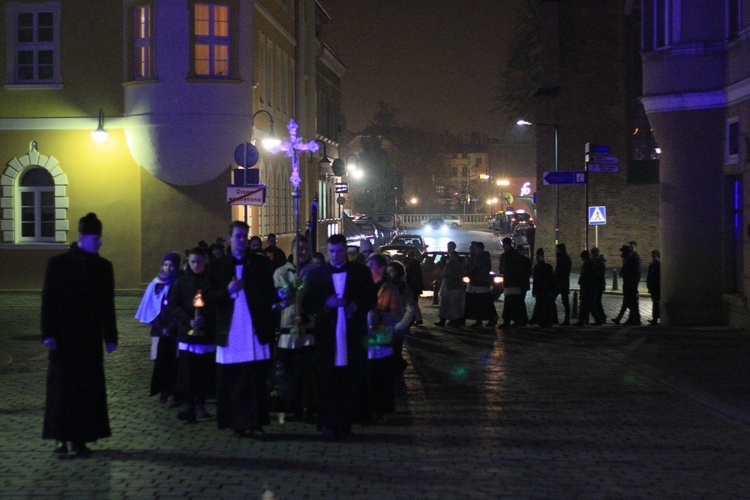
196 361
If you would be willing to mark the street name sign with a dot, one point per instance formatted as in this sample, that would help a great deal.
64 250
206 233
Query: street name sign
246 195
341 187
567 177
603 167
603 159
597 216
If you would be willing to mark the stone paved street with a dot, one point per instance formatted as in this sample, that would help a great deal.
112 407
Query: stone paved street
609 411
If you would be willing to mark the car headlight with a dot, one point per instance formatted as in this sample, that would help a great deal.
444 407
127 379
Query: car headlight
444 227
465 279
428 227
497 280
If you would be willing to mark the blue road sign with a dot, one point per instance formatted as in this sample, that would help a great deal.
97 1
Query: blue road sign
567 177
597 216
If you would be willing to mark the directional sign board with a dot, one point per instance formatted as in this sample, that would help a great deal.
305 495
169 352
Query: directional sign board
597 216
246 195
341 187
603 159
603 167
567 177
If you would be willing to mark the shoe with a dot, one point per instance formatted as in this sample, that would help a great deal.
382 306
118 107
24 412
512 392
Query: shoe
454 324
200 412
478 324
418 322
633 323
492 322
653 321
598 323
79 450
61 448
241 433
258 434
440 323
327 434
187 415
580 323
616 321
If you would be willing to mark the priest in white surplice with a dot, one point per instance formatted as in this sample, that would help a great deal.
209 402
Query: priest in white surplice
338 295
238 298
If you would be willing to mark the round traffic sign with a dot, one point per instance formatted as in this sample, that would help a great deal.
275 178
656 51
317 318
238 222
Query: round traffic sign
340 200
246 155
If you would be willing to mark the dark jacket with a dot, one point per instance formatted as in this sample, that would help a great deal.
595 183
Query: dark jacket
653 278
78 305
181 297
478 269
317 288
544 284
259 292
562 272
631 274
515 268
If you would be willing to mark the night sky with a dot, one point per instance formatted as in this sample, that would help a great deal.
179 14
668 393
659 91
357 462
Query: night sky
436 62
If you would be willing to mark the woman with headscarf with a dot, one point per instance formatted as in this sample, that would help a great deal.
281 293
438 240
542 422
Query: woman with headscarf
154 310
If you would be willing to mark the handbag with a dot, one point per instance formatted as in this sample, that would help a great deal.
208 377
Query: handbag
379 336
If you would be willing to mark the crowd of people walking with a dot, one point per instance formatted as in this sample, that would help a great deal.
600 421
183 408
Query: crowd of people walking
314 339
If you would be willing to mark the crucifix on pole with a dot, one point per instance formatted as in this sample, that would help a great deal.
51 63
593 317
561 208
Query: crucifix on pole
292 147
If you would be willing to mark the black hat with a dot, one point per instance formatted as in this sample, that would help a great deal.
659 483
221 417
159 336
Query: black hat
90 224
172 257
625 248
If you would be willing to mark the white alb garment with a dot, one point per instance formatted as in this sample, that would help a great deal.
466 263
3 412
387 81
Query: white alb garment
243 345
339 285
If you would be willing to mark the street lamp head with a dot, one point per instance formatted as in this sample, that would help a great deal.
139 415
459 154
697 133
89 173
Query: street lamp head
523 123
358 174
100 135
271 141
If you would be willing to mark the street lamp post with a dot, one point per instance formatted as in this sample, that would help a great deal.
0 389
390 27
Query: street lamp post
557 168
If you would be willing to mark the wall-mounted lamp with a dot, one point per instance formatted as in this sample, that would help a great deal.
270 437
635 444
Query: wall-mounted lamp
271 141
100 135
324 162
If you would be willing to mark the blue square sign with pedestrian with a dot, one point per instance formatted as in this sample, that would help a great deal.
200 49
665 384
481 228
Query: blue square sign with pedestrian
597 216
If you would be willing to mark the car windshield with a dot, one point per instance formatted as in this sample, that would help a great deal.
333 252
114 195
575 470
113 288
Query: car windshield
407 240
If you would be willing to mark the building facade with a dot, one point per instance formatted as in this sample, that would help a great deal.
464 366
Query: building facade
590 93
178 85
696 91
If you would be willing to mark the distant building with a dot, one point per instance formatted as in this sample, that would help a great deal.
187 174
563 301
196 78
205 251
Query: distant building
178 84
590 93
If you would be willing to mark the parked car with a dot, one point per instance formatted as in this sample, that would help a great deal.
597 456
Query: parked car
398 252
412 240
432 268
506 222
452 221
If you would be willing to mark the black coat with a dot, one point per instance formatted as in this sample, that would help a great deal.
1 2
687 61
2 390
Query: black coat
259 292
181 297
562 272
359 289
78 305
78 311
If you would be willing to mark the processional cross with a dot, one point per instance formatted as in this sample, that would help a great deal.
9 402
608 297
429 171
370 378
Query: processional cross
291 148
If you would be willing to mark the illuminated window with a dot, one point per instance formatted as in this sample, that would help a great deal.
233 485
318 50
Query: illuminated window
142 43
34 43
211 30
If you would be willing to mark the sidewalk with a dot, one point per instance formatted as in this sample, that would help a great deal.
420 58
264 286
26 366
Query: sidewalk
593 412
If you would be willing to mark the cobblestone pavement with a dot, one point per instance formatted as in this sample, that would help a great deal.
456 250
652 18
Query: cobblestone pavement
608 411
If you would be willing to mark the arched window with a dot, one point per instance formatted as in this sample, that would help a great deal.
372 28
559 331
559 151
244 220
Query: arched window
33 200
36 203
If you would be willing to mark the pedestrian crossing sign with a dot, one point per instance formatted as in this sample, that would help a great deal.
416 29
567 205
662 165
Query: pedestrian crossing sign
597 216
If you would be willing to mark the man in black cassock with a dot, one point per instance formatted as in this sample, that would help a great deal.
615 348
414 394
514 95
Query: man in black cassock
338 296
78 317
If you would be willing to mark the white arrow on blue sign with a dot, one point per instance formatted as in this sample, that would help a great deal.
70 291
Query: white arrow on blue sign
567 177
